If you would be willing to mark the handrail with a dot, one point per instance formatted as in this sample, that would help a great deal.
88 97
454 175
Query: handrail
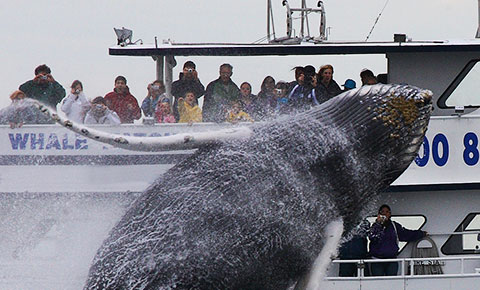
361 263
454 233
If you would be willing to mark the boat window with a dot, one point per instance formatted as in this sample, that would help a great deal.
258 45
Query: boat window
411 222
462 92
465 243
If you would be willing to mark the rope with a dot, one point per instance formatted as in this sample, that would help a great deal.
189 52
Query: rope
376 20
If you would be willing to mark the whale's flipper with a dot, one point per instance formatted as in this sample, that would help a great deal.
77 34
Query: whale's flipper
151 144
313 281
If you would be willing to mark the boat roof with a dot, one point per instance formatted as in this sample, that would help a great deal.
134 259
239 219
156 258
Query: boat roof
304 48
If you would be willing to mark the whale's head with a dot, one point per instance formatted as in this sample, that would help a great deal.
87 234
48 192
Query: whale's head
378 130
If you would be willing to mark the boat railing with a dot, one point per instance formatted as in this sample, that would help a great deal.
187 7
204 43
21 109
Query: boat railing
407 267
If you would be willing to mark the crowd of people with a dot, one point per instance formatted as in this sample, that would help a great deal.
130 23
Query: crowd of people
223 100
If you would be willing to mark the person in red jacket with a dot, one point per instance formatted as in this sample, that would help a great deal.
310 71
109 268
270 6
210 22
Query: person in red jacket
122 102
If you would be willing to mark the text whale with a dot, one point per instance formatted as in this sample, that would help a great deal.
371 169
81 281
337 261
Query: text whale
249 213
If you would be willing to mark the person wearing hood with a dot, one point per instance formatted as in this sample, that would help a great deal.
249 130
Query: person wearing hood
189 111
76 105
100 114
44 87
122 102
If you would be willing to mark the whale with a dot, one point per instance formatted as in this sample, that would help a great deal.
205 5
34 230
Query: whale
248 209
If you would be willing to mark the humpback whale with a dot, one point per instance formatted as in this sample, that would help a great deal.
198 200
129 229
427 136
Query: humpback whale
248 212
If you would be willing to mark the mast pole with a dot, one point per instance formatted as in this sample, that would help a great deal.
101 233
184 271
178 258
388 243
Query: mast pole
478 29
269 7
160 66
302 28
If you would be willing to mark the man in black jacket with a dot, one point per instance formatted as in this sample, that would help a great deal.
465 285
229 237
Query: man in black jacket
188 82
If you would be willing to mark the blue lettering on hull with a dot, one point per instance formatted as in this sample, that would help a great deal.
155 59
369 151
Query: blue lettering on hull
39 142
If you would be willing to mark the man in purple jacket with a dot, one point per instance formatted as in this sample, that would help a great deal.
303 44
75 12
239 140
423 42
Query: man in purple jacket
384 236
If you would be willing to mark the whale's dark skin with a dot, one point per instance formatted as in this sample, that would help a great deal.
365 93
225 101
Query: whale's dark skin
249 214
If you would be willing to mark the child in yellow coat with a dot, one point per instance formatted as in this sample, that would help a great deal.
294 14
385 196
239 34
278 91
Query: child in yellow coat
189 111
236 114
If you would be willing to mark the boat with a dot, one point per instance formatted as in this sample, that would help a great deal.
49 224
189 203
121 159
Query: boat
439 192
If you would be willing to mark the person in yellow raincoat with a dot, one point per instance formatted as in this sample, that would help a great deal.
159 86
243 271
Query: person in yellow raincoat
189 111
236 114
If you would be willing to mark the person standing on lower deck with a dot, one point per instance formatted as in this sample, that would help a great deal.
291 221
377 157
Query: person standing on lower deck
384 235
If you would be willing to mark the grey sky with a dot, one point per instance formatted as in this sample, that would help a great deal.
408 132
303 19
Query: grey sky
73 37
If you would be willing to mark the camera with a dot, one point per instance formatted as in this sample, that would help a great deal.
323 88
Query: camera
190 70
44 77
383 218
77 91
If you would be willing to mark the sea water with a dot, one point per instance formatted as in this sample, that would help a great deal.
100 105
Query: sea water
48 240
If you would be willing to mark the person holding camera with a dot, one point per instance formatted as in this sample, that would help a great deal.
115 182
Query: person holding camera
187 82
76 105
44 87
384 235
301 96
156 92
100 114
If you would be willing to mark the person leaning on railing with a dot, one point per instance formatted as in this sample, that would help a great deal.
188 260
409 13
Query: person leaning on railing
189 111
384 235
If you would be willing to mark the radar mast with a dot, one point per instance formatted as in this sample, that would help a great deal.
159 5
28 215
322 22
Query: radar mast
301 14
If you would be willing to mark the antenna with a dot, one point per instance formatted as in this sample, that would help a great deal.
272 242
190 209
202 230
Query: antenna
376 20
